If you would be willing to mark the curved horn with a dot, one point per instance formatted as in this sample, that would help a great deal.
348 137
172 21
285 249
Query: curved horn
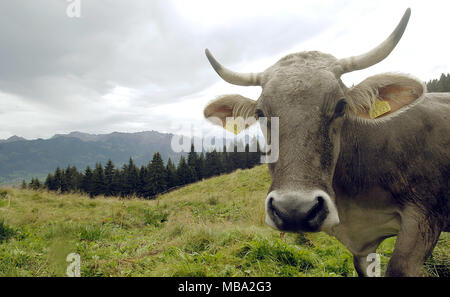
379 53
235 78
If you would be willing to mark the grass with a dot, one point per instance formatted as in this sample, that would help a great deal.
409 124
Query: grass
211 228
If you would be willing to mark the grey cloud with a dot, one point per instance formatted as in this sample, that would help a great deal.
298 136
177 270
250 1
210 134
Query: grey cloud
61 64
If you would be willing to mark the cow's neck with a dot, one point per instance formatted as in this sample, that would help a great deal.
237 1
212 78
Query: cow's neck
362 156
366 210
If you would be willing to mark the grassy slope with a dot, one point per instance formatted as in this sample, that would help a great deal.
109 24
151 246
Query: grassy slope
212 228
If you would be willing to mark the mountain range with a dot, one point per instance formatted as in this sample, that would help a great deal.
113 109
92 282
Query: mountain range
22 159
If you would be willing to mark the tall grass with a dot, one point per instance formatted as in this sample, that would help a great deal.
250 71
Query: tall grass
211 228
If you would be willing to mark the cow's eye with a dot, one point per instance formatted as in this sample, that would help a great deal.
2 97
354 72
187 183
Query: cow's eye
259 113
340 108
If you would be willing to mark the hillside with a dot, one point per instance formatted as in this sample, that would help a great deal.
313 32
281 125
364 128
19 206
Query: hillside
23 159
211 228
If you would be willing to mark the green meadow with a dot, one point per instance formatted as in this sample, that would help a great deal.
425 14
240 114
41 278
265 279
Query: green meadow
214 227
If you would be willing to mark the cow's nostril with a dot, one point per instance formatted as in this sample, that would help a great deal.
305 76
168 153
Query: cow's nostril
316 209
270 205
272 209
270 202
320 200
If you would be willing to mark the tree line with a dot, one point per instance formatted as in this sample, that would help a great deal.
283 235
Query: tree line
439 85
150 180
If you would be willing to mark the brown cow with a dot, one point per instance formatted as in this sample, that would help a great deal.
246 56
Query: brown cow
363 163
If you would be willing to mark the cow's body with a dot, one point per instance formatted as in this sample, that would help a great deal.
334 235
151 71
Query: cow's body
390 172
349 165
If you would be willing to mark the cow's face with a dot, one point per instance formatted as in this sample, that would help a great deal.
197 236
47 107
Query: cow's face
305 93
310 105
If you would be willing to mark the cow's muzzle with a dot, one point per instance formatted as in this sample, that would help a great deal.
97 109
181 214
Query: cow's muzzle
300 211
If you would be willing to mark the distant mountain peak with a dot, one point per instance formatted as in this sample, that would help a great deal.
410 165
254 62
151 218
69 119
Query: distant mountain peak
15 138
12 139
76 134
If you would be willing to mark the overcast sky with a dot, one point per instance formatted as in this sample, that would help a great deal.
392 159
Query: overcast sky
139 65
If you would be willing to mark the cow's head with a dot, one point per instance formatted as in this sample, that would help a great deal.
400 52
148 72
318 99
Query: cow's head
305 92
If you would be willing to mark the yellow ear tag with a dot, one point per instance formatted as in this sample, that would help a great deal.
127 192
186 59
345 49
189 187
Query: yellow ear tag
233 125
379 108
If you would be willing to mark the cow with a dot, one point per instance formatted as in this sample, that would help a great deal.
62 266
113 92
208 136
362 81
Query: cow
363 163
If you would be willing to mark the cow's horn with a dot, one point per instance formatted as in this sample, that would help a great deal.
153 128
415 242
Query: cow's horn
379 53
235 78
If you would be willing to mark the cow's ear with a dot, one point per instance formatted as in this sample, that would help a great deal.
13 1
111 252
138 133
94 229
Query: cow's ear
230 106
383 94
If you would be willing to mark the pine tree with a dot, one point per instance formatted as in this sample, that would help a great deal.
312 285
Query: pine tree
235 157
172 178
73 178
184 172
147 189
131 178
98 180
141 188
208 165
247 157
58 178
200 167
65 176
252 156
213 164
117 183
50 183
192 161
24 185
228 163
109 175
35 184
241 155
226 160
157 175
86 185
